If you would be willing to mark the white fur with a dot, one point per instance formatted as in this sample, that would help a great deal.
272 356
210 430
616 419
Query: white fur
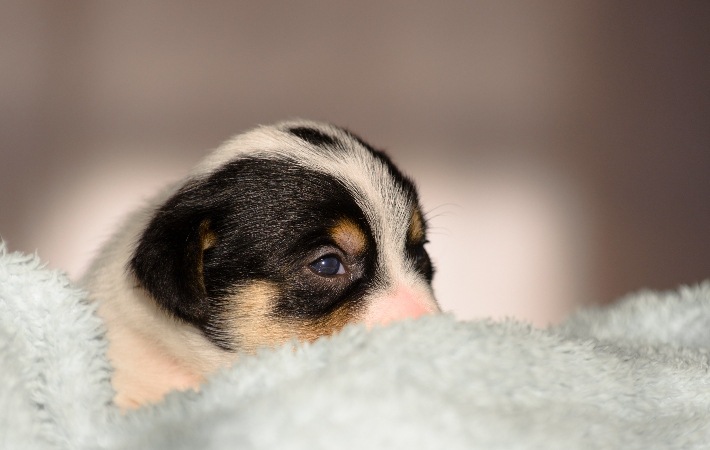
152 353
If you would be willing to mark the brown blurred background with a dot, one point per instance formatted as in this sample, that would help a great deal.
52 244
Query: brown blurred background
562 148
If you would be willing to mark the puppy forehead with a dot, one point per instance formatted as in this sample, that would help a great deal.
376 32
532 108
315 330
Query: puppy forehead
385 197
377 185
265 194
313 145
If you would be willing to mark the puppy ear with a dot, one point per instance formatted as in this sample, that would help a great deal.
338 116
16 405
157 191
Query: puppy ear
168 261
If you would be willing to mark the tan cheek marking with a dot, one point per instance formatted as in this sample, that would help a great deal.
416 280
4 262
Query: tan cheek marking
325 326
349 237
255 326
251 306
416 227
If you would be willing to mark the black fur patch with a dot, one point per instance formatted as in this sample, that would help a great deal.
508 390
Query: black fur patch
267 220
313 136
271 220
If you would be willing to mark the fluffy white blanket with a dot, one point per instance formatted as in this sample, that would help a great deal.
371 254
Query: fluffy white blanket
631 376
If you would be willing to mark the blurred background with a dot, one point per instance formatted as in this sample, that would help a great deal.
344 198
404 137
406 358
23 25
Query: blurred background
562 149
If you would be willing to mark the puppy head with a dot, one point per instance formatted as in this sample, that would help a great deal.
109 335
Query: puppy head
288 231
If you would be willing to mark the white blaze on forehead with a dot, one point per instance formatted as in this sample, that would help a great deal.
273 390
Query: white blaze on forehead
386 206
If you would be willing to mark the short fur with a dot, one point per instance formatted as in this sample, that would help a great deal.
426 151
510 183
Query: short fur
286 231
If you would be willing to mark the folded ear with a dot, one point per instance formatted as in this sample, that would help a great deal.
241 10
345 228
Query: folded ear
168 260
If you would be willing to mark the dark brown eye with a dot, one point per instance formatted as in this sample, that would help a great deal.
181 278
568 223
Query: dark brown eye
327 266
420 255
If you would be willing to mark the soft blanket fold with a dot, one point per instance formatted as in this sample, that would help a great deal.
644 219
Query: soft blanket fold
631 376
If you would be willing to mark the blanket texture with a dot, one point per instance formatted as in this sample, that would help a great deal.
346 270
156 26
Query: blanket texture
631 376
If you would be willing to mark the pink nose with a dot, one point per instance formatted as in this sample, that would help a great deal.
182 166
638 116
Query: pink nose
403 304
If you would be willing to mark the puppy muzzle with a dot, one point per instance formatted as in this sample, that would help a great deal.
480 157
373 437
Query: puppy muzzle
402 302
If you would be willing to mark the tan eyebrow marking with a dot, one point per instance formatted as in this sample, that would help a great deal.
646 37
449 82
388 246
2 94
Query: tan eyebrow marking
349 236
416 227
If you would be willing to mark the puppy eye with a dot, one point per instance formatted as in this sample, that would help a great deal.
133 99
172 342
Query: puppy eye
420 259
420 254
328 266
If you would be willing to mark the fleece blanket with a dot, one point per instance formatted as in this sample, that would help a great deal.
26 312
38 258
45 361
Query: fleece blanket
631 376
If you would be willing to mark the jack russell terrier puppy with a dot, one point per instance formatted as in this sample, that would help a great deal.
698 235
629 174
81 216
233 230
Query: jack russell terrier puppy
288 231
